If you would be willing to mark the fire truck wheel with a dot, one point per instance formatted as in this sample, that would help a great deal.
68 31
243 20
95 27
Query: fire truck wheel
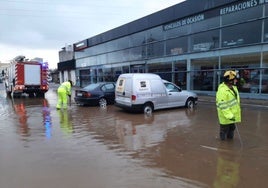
31 95
40 95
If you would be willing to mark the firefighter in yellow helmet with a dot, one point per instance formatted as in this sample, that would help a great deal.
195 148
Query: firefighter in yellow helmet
228 105
64 91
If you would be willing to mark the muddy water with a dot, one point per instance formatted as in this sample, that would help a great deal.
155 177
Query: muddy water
92 147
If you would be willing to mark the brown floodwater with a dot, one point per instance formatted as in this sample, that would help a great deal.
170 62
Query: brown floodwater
93 147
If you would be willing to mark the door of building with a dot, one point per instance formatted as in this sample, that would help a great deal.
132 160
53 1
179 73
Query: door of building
137 69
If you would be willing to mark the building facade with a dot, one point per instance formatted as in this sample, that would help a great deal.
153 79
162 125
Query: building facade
191 44
66 66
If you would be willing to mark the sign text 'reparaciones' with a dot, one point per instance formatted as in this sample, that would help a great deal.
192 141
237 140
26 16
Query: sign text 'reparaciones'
238 7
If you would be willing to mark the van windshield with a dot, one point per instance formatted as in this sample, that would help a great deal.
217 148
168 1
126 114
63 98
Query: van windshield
171 88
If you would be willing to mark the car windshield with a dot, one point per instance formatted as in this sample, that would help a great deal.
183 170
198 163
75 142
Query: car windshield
91 86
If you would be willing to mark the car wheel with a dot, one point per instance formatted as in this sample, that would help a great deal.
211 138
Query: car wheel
147 109
189 103
103 102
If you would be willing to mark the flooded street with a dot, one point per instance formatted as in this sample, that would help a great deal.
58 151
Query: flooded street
93 147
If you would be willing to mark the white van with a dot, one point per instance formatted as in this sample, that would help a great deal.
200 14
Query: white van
147 92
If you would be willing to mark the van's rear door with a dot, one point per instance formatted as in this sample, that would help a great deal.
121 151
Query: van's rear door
123 91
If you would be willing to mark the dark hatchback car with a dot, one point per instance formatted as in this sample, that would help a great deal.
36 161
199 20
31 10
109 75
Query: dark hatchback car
101 93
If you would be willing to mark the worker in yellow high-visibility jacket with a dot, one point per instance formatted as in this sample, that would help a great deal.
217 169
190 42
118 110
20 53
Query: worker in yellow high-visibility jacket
64 91
228 105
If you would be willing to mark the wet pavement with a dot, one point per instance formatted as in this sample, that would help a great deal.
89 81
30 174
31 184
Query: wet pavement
93 147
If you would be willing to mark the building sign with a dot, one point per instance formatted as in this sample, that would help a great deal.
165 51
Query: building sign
225 10
80 45
183 22
238 7
241 6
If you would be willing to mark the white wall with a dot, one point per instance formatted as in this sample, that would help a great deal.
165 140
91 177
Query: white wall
67 75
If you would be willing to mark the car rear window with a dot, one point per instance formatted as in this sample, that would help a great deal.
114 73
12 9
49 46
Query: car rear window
108 87
92 86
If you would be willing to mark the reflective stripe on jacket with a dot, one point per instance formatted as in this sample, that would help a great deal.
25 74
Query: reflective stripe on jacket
65 86
228 105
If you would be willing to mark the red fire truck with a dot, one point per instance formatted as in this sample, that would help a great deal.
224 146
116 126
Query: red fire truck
27 77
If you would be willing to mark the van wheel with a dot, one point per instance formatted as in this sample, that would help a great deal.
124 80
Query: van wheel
189 103
147 109
103 102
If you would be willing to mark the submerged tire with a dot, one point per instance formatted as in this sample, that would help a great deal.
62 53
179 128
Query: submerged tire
102 102
189 103
148 108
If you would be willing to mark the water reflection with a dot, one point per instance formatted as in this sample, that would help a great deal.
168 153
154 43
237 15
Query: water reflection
30 113
227 172
22 115
143 131
65 122
47 119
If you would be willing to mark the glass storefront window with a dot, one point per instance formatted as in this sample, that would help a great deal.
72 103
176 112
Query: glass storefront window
118 56
259 81
180 74
205 41
100 75
138 68
162 68
80 63
155 34
237 35
137 39
152 49
248 67
204 74
101 59
265 35
242 16
98 49
264 81
84 53
265 60
266 10
264 73
116 71
125 69
178 31
137 53
112 57
84 77
177 46
206 24
117 44
107 74
93 50
85 62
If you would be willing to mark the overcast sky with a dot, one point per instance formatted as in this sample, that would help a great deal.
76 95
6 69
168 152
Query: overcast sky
40 28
